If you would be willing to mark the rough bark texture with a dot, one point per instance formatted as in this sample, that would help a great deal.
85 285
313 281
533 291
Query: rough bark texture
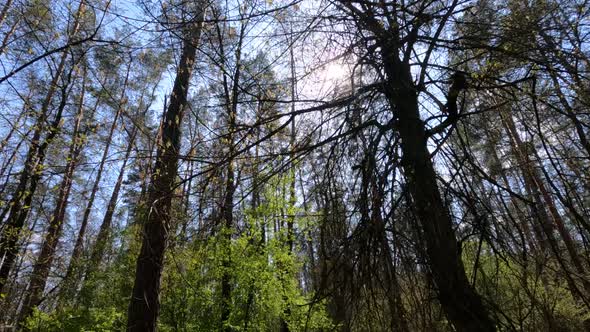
145 303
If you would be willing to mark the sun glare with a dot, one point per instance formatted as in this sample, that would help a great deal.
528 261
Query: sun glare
335 72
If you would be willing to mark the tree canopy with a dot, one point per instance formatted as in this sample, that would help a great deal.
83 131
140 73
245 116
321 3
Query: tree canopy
295 165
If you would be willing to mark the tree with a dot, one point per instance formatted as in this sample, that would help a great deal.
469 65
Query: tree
463 306
144 304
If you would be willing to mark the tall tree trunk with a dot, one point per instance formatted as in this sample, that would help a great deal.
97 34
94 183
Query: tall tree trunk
17 123
31 173
71 278
550 217
290 215
12 29
255 203
27 185
43 264
102 238
462 305
7 36
7 168
144 306
231 98
227 215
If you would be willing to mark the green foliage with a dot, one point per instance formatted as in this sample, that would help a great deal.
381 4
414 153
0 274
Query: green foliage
263 275
263 286
90 320
102 303
525 299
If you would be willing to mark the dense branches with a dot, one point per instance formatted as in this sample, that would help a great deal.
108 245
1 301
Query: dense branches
286 165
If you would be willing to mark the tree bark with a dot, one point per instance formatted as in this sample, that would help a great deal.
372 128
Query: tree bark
144 306
31 173
231 98
27 185
462 305
70 278
549 216
4 11
105 228
44 261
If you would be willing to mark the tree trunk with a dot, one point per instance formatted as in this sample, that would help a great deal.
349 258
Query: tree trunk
290 215
71 278
30 177
31 173
547 211
231 96
462 305
44 261
144 306
105 228
4 11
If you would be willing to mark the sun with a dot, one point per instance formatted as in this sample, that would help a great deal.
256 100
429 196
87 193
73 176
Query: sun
335 72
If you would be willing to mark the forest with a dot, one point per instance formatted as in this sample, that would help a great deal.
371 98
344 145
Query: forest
295 165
